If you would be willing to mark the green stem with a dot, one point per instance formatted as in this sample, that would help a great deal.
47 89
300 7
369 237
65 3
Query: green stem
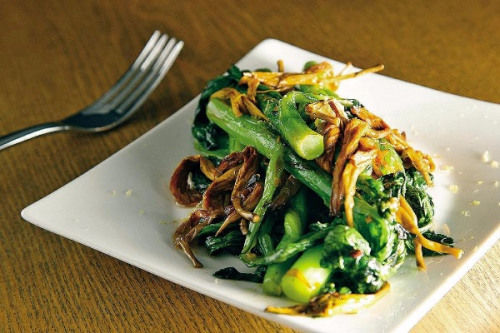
289 250
307 143
235 145
273 175
250 131
294 225
306 278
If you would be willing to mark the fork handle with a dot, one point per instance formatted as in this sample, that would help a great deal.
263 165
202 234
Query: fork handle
30 133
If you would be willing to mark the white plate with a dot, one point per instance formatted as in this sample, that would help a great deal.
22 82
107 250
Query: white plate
123 208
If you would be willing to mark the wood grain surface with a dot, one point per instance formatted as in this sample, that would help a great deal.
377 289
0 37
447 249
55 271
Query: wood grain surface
57 56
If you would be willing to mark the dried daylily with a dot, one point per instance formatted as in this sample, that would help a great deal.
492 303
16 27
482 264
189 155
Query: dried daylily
330 110
334 118
253 85
331 133
250 199
240 103
356 165
422 162
180 185
183 234
230 161
407 218
374 121
397 140
288 190
321 74
247 170
234 191
217 194
281 65
353 132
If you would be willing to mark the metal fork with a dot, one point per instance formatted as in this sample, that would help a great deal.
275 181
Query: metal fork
118 103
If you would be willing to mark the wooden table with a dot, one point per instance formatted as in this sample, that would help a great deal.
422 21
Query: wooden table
57 56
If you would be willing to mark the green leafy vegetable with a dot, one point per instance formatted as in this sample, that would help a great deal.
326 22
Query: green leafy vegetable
348 254
206 134
231 273
231 242
436 237
419 200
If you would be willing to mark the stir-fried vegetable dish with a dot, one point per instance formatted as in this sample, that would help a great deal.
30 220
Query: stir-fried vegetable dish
322 197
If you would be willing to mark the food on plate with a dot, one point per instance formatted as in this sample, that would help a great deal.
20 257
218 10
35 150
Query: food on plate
316 192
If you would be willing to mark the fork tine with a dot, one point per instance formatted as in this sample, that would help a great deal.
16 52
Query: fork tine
146 51
137 74
153 77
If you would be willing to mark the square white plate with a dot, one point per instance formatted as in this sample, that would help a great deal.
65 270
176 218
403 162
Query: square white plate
123 208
